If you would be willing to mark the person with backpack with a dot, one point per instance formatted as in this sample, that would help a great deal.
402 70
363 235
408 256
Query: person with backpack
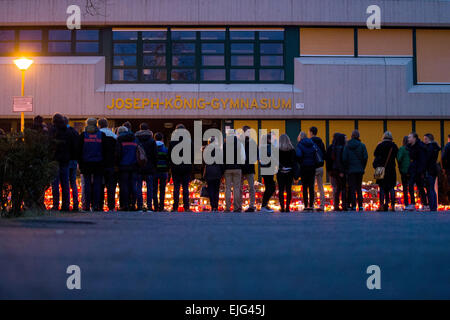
385 155
161 173
145 139
431 170
64 148
319 170
285 175
403 161
306 152
355 159
336 169
212 174
92 155
417 153
126 160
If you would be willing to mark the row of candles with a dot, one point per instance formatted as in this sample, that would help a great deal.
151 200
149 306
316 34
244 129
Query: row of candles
201 204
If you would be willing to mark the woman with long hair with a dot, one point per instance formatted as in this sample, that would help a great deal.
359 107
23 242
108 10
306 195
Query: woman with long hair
285 175
336 169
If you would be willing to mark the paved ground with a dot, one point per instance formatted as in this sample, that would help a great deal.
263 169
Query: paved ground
227 256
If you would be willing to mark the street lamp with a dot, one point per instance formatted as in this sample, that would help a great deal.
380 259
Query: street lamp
23 64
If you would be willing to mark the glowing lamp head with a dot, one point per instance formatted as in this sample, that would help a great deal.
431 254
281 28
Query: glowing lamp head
23 63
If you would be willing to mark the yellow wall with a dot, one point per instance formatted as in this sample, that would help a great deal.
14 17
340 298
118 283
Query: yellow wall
319 124
446 130
327 41
385 42
399 129
371 133
433 56
342 126
433 127
253 124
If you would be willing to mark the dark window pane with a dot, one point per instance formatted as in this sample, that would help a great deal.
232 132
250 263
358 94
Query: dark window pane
30 35
183 35
154 74
158 48
59 34
242 74
65 47
242 35
271 60
30 47
125 75
124 35
212 35
183 75
6 47
87 35
212 74
154 35
124 61
183 61
183 48
269 48
271 74
153 61
87 47
242 60
6 35
242 48
213 48
271 35
125 48
213 60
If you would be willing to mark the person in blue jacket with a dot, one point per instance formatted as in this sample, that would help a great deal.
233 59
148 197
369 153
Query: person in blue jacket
306 153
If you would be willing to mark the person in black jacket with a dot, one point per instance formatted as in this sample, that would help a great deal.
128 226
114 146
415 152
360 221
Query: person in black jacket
446 164
213 173
234 157
91 156
109 172
268 179
431 170
385 156
336 168
306 155
161 172
73 165
285 175
248 168
181 173
64 148
319 170
145 139
417 154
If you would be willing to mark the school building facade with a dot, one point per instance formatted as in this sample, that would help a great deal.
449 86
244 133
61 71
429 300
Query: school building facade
285 64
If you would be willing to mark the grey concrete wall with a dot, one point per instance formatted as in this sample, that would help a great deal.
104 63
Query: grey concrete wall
229 12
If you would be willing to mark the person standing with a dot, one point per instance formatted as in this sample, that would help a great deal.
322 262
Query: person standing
446 164
403 166
336 169
73 165
161 173
306 154
64 148
181 173
248 168
213 173
319 170
431 170
385 155
268 179
355 159
417 153
145 139
127 162
91 157
285 175
233 170
109 169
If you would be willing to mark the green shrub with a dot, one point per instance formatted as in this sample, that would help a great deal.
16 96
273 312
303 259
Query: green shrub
27 169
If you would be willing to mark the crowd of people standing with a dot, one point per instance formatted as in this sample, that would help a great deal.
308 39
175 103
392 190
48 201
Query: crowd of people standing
106 158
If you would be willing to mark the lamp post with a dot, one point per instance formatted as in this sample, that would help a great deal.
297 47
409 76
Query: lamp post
23 64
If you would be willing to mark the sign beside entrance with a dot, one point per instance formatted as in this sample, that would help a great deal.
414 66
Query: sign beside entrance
22 104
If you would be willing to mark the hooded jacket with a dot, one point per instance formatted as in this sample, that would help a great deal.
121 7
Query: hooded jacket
305 151
403 160
126 152
145 139
110 141
433 150
418 156
65 143
355 156
91 166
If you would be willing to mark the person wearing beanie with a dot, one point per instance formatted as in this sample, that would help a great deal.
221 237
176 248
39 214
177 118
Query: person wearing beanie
91 157
385 155
109 172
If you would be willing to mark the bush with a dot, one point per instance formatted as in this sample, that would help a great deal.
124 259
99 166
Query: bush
27 169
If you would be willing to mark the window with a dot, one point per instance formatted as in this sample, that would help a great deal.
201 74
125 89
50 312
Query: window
177 55
7 41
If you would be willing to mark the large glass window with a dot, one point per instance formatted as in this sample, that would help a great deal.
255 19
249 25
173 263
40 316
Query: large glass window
223 55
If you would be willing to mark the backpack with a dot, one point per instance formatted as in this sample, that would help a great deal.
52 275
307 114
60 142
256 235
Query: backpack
318 157
141 157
